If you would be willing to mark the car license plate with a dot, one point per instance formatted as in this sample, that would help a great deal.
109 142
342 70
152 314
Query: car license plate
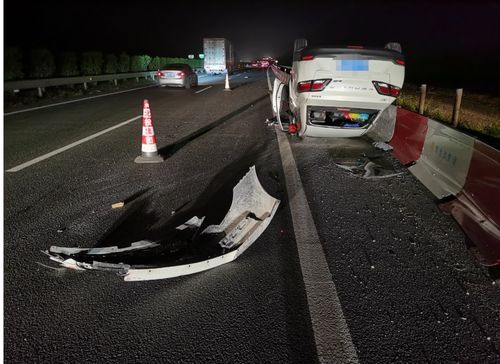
170 74
352 65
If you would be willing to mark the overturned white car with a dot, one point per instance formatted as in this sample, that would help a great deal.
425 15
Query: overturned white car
341 91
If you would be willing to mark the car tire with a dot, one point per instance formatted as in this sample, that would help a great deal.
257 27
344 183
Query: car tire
188 83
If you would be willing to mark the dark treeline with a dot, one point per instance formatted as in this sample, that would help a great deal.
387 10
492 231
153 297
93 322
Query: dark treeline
455 71
42 63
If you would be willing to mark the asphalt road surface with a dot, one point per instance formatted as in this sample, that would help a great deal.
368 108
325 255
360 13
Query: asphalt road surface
408 289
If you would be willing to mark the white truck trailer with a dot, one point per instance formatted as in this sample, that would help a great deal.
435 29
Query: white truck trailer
219 57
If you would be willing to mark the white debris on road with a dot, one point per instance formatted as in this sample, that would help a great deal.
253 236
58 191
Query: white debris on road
251 211
384 146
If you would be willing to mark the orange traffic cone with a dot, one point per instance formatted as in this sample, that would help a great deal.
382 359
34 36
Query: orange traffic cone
227 88
149 150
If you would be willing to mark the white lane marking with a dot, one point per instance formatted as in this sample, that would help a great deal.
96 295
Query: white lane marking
71 101
331 333
203 89
69 146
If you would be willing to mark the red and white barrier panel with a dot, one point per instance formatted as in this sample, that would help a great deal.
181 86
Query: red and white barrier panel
409 136
445 159
451 163
477 206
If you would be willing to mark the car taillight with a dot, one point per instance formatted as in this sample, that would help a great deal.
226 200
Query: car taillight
395 91
307 58
401 62
181 74
160 74
387 89
319 85
304 86
313 85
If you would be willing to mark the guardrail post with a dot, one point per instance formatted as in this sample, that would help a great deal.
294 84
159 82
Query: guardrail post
456 108
116 82
40 92
85 86
423 93
137 79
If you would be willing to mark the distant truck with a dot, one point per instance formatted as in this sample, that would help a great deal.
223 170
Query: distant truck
219 57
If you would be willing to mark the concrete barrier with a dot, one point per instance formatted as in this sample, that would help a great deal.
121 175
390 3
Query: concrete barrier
444 161
477 206
451 163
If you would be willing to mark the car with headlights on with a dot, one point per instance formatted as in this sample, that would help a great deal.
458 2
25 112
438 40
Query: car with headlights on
177 75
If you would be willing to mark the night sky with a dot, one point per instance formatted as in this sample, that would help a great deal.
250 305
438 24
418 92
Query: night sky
444 41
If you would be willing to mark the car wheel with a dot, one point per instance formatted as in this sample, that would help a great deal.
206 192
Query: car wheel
188 83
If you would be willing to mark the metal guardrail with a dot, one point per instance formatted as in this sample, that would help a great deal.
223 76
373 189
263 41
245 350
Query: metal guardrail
40 84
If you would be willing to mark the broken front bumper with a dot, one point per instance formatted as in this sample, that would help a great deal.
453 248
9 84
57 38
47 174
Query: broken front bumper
251 211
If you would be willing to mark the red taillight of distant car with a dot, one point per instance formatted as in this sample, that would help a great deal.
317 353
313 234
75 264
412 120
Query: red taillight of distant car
387 89
160 74
307 58
313 85
181 74
401 62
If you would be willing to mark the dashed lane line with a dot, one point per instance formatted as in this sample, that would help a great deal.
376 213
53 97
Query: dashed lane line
69 146
203 89
331 333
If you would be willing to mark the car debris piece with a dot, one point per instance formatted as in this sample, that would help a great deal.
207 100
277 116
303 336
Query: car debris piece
143 244
193 222
251 211
118 205
366 168
383 146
